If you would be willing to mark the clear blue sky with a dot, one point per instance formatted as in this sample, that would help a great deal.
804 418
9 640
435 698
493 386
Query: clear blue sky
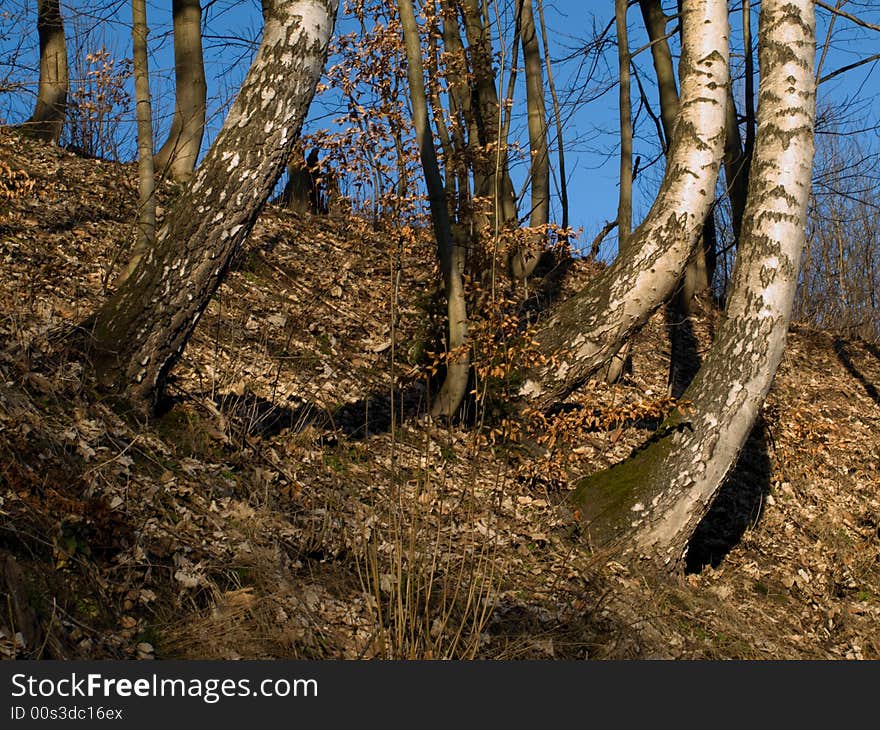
590 130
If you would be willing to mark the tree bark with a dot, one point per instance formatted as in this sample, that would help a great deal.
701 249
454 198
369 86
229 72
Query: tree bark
654 500
498 184
177 157
454 386
617 364
47 121
146 235
140 332
588 328
525 260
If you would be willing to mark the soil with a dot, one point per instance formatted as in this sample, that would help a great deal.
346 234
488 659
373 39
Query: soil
294 501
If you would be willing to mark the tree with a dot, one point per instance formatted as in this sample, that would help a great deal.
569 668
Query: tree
658 495
525 260
146 173
588 328
47 120
178 155
138 335
454 386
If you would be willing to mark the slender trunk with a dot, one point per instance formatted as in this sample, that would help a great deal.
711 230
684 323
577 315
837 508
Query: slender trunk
454 386
50 111
591 326
557 116
617 363
650 504
146 236
138 335
499 186
177 157
526 259
736 167
655 23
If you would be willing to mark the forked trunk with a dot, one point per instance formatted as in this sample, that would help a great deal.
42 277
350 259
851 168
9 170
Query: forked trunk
653 501
590 327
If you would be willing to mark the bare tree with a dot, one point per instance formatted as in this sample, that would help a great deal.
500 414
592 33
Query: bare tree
178 155
658 496
455 384
138 335
525 260
146 234
588 328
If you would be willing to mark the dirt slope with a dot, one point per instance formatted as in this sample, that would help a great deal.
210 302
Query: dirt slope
294 502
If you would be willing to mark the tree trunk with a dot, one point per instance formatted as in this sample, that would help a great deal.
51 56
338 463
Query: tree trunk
455 384
499 186
617 364
525 260
140 332
653 501
177 157
146 235
588 328
50 111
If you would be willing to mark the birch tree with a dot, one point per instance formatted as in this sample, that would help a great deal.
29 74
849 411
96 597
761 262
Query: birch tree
138 335
654 500
591 326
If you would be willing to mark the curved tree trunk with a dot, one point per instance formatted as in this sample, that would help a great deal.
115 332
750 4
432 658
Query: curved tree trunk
658 496
140 332
525 260
588 328
177 157
50 111
454 386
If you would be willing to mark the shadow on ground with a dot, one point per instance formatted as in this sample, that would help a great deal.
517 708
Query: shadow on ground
737 507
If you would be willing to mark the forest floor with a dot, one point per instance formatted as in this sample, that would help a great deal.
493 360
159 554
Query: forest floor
294 502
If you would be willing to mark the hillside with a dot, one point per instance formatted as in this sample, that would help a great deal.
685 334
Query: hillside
294 502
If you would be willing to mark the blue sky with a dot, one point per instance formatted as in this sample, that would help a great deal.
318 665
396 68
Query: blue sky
590 135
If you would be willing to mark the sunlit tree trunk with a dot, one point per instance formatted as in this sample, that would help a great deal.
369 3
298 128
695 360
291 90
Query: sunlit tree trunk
617 363
498 184
50 111
587 329
652 502
140 333
525 260
146 234
454 386
177 157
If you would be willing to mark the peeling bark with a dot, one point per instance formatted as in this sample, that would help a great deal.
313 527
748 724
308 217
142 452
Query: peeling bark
140 332
588 328
654 500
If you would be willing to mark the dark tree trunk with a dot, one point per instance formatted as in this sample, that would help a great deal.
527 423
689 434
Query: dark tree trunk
140 333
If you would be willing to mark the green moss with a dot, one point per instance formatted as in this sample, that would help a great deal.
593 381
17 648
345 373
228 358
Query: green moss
605 499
